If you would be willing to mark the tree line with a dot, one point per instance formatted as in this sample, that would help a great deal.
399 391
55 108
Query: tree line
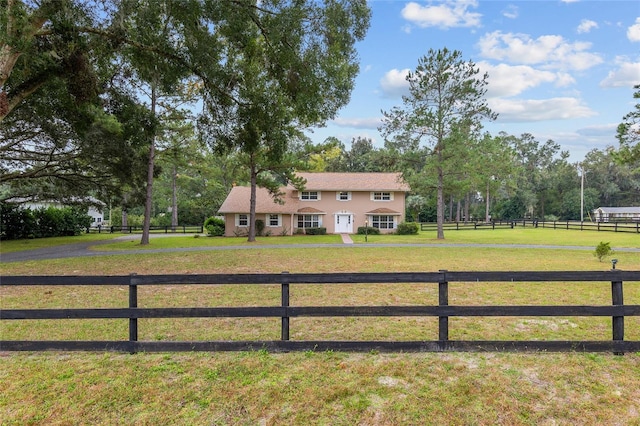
159 107
499 177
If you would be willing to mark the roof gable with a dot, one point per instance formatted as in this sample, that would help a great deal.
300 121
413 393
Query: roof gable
240 196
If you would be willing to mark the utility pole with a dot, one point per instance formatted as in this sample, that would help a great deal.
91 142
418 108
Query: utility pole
581 192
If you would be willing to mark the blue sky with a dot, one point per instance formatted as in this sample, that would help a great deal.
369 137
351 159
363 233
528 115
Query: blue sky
558 69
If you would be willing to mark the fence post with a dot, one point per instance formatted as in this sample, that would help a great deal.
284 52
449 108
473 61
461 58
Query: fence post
443 300
285 305
617 321
133 322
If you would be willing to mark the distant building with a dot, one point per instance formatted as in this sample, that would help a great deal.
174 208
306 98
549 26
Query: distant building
94 209
617 214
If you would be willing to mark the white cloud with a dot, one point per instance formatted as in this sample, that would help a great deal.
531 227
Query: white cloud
549 51
394 83
607 130
508 80
626 75
359 123
511 12
444 15
539 110
586 26
633 33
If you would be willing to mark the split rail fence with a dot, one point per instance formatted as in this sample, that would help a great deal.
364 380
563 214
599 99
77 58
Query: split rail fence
615 308
632 227
182 229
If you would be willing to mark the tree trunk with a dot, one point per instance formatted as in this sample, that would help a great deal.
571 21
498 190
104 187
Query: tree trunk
458 209
125 221
451 208
467 201
150 165
487 217
174 199
252 206
440 205
9 54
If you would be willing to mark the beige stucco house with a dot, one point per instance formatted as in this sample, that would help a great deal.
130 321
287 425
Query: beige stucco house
339 202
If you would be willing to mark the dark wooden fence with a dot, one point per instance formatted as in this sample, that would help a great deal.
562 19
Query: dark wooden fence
617 310
633 227
182 229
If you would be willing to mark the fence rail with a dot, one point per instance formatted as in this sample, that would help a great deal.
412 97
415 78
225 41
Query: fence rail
633 227
183 229
617 310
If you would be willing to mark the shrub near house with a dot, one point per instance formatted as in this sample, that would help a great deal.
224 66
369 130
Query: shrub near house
20 223
337 202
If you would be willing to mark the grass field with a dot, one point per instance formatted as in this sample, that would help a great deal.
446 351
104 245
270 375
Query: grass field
259 388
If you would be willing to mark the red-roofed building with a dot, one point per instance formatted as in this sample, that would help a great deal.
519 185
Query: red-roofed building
339 202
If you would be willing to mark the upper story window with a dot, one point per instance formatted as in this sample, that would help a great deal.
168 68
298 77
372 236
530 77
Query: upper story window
310 195
382 196
343 196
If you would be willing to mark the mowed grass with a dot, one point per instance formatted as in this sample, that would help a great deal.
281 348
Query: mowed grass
519 235
329 387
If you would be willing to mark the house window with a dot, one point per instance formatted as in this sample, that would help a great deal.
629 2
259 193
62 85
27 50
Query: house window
343 196
383 222
309 221
309 195
274 220
242 220
382 196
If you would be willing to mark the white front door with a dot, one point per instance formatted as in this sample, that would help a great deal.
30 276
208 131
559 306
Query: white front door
344 224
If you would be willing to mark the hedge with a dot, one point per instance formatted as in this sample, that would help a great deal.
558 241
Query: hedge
19 223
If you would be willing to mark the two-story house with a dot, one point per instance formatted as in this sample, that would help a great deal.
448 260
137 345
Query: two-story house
339 202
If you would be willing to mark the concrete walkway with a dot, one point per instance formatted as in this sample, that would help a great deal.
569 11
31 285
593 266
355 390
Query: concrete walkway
346 239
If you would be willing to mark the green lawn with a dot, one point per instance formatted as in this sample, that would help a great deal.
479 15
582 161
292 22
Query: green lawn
161 242
558 237
539 236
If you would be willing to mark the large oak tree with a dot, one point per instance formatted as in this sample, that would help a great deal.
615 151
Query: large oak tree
293 66
247 57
